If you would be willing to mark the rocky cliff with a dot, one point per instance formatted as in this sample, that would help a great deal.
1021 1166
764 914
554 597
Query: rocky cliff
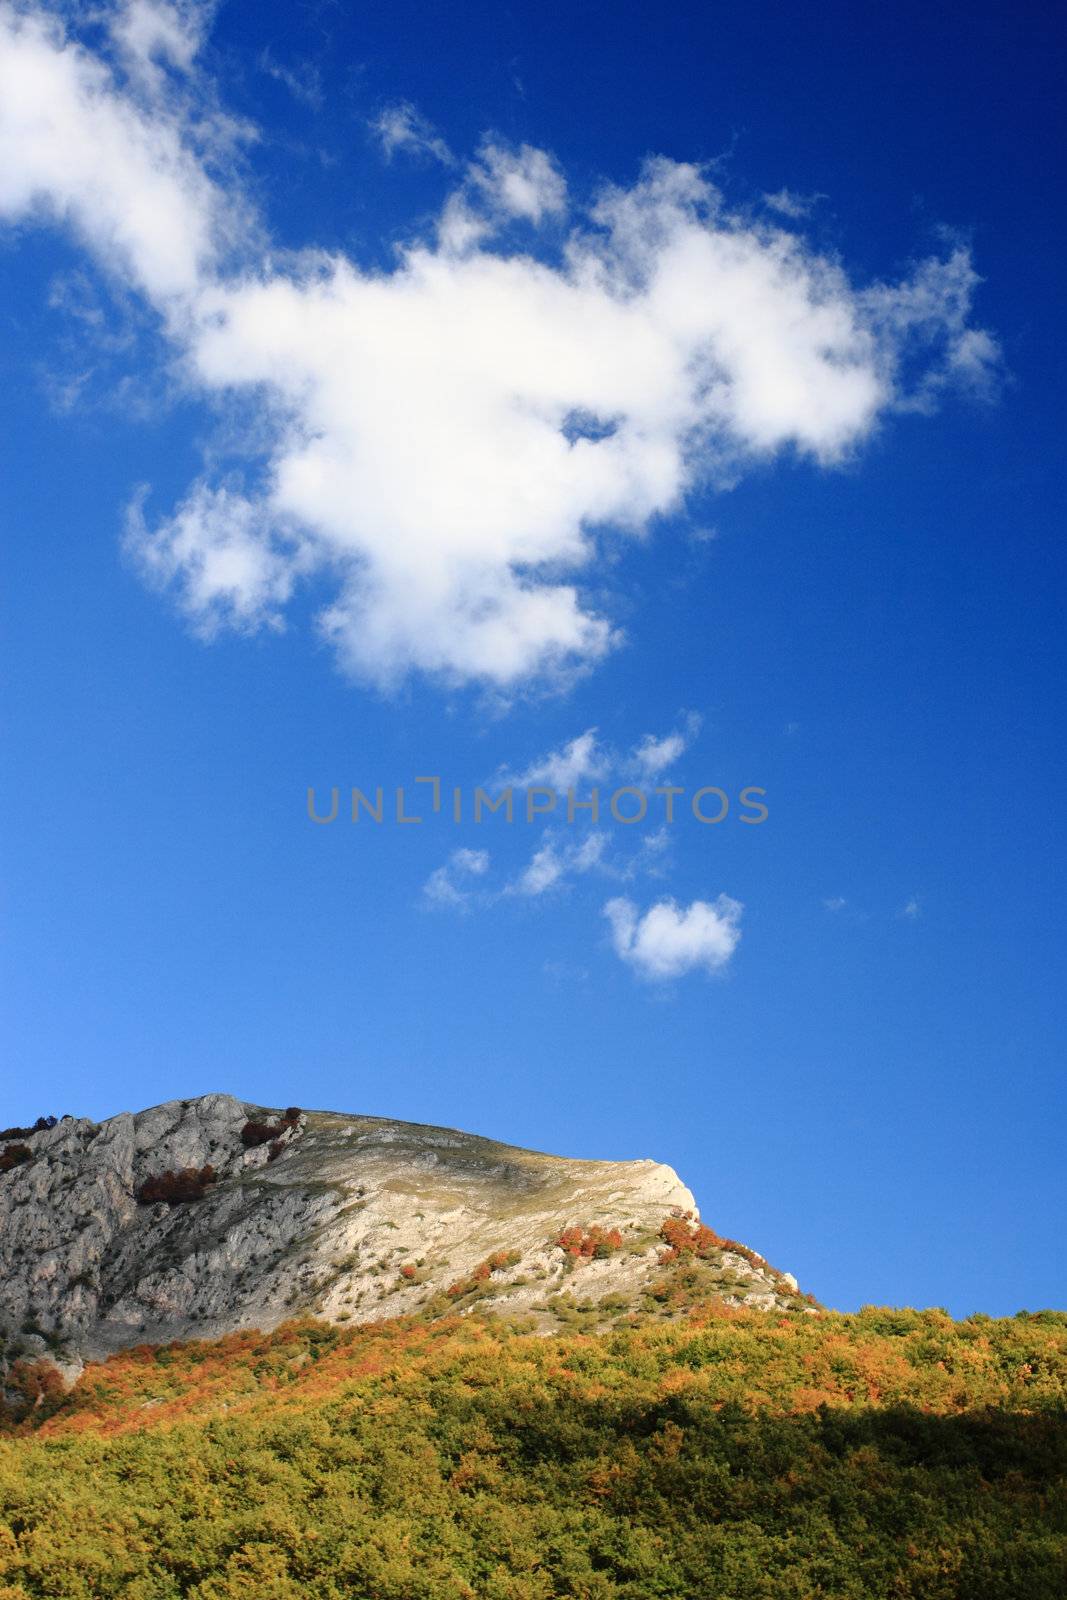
113 1234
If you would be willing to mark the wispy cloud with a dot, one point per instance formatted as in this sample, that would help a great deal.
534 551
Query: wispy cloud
400 127
557 860
912 909
587 759
652 756
151 34
669 940
302 79
581 760
835 902
789 204
451 885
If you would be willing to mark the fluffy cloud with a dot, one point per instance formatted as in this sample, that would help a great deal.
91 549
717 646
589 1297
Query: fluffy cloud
452 442
226 570
106 161
670 940
450 885
520 183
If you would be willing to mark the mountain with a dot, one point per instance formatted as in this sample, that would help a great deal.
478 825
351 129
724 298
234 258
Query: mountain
200 1217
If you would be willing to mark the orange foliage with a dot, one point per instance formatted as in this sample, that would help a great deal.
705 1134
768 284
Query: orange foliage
584 1243
33 1387
685 1238
483 1272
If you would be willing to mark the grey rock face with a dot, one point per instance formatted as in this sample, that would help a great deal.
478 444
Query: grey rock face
353 1218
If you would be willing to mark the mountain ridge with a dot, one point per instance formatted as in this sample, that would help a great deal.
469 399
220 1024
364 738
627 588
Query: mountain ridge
195 1218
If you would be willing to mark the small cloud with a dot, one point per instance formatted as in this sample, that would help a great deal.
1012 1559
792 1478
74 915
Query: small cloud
447 885
653 755
231 571
583 760
401 127
671 940
793 206
791 729
554 862
975 364
836 902
912 911
655 846
301 78
543 873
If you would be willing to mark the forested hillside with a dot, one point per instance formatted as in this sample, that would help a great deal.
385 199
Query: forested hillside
731 1454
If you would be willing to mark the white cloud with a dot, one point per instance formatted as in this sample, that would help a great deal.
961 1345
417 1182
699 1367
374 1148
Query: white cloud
520 183
555 861
450 443
789 204
226 566
302 78
582 760
974 362
835 903
935 303
500 186
912 910
147 32
670 940
587 760
75 148
449 885
401 127
654 755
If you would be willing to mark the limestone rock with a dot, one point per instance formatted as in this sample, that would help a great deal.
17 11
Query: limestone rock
347 1217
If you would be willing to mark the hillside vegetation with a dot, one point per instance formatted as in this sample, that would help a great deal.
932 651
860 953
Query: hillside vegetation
732 1454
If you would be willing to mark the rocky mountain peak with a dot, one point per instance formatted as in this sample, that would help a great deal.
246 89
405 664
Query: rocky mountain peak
197 1217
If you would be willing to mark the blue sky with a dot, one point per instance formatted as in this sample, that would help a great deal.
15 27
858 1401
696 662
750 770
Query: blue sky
274 519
